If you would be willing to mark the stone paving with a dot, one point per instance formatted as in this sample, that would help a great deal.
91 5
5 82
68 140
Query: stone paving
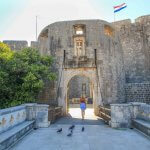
97 136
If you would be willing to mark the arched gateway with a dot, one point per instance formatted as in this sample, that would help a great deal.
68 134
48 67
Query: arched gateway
89 48
87 72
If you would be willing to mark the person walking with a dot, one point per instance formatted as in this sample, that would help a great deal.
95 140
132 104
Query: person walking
82 107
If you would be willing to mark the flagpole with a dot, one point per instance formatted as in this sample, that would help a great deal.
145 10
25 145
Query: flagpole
36 29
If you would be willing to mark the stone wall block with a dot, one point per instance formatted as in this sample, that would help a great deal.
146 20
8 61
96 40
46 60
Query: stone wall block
31 111
120 115
39 113
42 116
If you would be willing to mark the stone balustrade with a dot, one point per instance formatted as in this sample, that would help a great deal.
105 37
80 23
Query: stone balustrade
13 116
123 114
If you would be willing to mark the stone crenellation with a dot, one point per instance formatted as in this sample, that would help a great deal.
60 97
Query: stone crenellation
19 45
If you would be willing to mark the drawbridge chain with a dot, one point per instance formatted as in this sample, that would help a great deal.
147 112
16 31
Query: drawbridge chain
62 67
97 76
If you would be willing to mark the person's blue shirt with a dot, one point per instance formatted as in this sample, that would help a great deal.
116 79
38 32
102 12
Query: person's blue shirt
83 106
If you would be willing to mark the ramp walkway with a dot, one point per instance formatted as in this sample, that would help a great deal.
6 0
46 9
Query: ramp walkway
97 136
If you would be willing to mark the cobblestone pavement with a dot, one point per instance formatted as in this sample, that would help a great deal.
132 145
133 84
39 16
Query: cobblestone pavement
97 136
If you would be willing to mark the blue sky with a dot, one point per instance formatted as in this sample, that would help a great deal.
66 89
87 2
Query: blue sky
17 17
9 10
135 8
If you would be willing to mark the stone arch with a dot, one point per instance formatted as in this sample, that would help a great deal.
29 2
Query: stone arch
83 76
90 73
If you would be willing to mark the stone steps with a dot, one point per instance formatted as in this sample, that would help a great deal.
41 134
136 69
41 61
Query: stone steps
10 137
142 125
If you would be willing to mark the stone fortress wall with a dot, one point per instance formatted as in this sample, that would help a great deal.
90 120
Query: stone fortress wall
18 45
134 44
135 39
97 34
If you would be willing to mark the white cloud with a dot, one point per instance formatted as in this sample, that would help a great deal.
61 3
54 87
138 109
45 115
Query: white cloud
48 11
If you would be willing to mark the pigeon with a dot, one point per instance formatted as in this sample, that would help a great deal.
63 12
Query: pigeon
72 127
59 130
82 129
70 134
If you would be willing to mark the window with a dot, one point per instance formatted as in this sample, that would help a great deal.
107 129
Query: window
108 30
79 29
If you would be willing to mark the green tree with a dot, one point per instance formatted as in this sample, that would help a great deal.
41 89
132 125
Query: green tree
5 52
22 76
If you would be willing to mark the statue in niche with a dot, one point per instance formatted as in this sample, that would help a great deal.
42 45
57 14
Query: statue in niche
79 47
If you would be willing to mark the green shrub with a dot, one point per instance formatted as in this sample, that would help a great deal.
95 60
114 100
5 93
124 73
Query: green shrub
22 75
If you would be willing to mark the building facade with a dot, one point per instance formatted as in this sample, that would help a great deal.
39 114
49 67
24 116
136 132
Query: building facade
87 48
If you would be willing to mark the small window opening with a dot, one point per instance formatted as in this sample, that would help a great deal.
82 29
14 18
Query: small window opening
108 30
79 29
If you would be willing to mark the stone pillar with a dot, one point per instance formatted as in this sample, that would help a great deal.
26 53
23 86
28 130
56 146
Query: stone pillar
39 113
120 115
42 116
30 111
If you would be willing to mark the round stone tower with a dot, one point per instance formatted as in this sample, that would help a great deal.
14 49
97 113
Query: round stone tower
88 48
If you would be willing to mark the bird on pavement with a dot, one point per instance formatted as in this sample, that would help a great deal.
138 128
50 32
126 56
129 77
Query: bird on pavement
59 130
82 129
72 127
70 134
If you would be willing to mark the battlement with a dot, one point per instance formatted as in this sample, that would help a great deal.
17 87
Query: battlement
143 19
119 24
18 45
127 22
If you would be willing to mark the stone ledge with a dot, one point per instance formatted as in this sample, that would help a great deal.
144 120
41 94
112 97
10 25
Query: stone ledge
119 125
11 109
121 105
11 136
141 125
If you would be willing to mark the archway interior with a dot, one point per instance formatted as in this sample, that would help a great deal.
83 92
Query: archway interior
79 86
